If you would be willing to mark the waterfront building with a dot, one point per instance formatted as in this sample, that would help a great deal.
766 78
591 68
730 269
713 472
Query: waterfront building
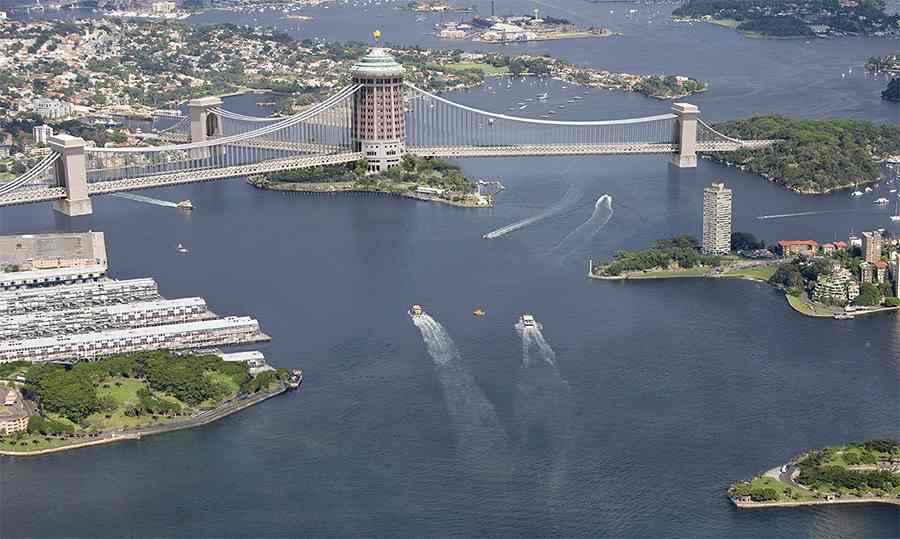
717 219
86 346
103 317
64 297
51 109
838 288
871 247
798 247
162 8
42 134
880 275
895 272
865 272
13 412
44 251
49 277
254 359
379 127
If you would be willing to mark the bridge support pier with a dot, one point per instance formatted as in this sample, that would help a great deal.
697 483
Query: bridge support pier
72 173
685 135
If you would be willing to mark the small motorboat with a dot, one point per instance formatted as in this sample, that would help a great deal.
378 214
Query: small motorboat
181 248
527 320
856 194
478 312
185 205
415 311
881 201
295 379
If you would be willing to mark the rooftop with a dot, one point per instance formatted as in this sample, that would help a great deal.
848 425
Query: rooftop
378 63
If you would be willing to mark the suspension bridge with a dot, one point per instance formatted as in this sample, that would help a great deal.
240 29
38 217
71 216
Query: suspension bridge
378 118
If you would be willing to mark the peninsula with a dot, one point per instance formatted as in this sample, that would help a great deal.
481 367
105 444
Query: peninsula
818 281
793 18
420 178
126 397
814 156
867 472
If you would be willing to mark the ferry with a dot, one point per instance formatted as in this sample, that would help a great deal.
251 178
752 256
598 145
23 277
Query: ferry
185 205
295 379
881 201
416 311
527 320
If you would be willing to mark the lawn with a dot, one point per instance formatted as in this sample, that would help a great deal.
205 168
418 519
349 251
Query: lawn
801 304
487 69
762 273
125 394
766 481
7 444
664 274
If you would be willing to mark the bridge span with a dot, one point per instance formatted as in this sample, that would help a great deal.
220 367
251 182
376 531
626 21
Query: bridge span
377 119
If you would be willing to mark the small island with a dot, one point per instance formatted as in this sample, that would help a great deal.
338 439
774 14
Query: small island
126 397
814 156
867 472
793 18
421 178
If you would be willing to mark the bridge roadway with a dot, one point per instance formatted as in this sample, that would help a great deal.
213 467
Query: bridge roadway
178 178
26 196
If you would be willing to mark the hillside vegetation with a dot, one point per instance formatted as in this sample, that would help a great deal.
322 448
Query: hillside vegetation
816 156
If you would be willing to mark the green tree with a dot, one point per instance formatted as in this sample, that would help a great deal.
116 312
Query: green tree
869 295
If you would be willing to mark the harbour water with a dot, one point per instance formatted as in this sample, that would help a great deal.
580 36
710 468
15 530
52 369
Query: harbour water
656 397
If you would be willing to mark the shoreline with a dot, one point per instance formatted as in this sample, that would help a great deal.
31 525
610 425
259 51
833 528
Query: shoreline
828 191
796 303
336 188
203 418
800 503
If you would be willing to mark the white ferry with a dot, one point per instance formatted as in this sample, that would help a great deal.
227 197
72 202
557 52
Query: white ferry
527 320
415 311
881 201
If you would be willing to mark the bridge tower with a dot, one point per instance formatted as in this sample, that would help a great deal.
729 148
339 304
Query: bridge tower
685 135
71 169
203 124
378 126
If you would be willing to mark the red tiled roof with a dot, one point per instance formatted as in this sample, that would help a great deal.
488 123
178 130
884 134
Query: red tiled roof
788 243
881 264
840 245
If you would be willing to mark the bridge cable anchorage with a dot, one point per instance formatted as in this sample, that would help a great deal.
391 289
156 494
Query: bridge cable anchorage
289 122
32 174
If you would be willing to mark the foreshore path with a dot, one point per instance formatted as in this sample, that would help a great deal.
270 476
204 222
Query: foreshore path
197 420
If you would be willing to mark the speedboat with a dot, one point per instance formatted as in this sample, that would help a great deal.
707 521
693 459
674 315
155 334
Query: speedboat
856 194
527 320
415 311
185 205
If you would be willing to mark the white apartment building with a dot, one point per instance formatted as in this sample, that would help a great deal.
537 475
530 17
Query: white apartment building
716 219
51 109
42 134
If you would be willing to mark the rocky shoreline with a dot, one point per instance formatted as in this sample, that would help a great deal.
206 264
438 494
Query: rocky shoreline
354 187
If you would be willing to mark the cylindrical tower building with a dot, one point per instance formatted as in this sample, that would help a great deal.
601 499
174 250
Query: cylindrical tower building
379 123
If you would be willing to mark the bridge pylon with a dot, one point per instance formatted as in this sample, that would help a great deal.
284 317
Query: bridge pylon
685 135
72 174
204 124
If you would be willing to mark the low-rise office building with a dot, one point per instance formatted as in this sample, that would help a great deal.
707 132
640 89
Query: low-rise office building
23 252
65 297
51 277
86 346
103 317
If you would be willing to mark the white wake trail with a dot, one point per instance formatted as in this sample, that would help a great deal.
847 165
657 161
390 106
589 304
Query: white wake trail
599 218
546 412
480 435
145 199
570 197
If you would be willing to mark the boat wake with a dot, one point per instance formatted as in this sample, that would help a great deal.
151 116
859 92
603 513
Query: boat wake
480 435
579 237
545 410
570 197
803 213
147 200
